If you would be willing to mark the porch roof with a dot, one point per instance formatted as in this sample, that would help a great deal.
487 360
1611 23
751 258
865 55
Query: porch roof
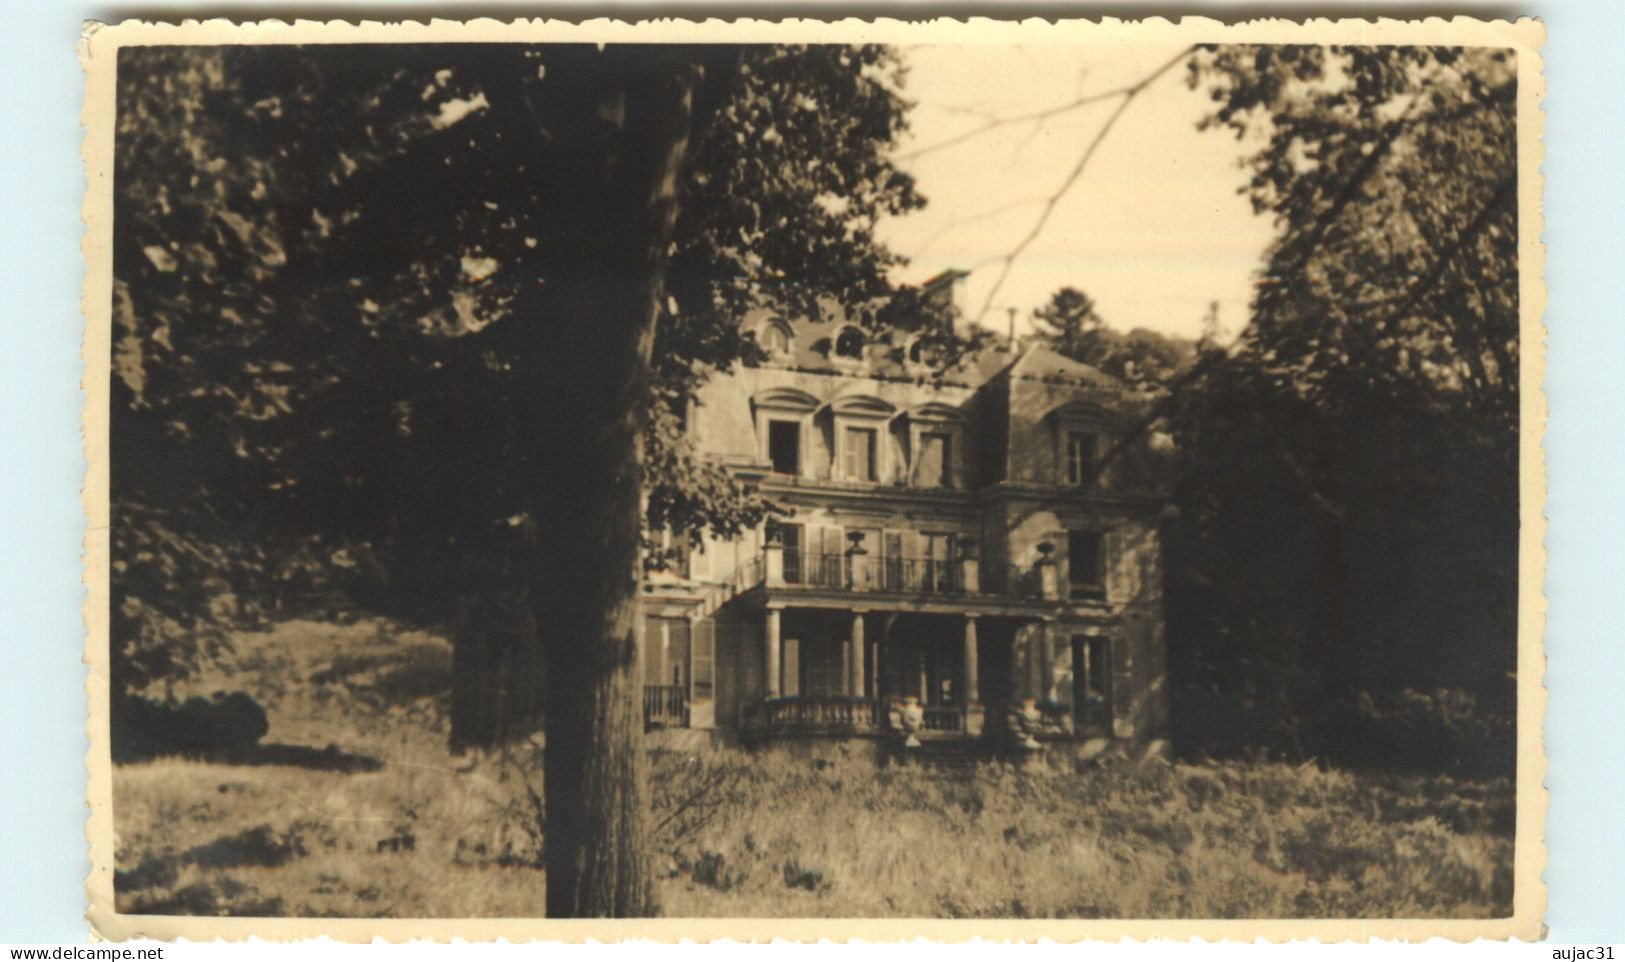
800 596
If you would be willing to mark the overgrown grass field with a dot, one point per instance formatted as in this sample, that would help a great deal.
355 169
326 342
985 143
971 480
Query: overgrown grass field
356 808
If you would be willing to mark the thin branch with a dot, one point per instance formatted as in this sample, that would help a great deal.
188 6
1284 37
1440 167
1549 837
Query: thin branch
959 222
993 123
1128 94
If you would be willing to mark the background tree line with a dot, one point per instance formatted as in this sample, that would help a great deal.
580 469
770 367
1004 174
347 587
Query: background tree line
1342 544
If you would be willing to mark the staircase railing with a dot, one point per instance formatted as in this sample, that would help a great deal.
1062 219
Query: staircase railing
665 706
743 578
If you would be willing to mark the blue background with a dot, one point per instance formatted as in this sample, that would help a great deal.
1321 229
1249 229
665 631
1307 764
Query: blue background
42 710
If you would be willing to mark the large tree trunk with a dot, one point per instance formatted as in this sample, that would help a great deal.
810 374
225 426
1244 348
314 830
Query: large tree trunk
592 366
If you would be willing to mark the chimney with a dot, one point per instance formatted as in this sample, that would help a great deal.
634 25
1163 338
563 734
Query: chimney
943 293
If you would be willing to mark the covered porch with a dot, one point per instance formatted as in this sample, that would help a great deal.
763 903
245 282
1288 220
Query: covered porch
878 672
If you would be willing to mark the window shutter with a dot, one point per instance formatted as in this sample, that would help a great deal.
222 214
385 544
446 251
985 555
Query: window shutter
891 554
1116 567
831 561
702 660
913 551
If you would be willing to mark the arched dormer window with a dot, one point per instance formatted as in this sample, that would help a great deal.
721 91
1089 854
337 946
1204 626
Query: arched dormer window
776 338
783 427
862 438
850 342
936 446
922 353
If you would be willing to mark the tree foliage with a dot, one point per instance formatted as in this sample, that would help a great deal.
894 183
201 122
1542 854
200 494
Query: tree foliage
327 263
1343 559
443 308
1070 324
1393 175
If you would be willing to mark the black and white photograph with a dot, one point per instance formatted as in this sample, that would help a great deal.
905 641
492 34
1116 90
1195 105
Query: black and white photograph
944 472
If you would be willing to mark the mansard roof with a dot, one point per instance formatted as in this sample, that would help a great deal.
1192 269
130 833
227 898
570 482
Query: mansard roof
813 349
1040 363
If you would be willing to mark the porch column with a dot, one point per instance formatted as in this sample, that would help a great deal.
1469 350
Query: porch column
770 655
859 655
773 562
874 662
972 688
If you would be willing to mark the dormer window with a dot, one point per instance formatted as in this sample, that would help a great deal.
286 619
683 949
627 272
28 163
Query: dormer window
849 343
859 448
1080 457
1082 434
783 423
863 448
934 465
775 338
784 446
936 446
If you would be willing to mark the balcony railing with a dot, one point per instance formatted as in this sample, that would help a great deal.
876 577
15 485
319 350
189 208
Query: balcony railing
900 575
665 706
944 719
1022 582
795 716
820 715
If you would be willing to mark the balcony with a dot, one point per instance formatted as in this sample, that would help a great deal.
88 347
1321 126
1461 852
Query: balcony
859 573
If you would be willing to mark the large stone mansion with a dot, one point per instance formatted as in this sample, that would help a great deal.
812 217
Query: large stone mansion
976 542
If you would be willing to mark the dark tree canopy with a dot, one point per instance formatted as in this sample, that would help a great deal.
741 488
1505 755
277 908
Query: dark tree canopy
1343 560
327 263
426 319
1392 172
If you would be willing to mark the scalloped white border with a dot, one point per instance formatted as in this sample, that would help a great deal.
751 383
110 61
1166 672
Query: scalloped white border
98 48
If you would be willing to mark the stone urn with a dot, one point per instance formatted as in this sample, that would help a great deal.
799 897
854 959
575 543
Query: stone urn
1026 722
911 720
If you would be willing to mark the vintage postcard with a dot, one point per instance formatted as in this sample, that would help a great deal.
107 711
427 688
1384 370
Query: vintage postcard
797 480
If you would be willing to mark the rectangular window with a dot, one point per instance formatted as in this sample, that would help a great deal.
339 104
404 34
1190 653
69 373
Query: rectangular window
1091 683
860 454
790 537
784 446
1085 564
1100 669
678 637
893 580
1080 457
934 469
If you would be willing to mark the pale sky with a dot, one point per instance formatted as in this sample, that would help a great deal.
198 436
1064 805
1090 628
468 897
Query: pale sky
1153 230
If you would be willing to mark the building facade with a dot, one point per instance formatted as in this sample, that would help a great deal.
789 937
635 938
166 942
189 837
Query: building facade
966 555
